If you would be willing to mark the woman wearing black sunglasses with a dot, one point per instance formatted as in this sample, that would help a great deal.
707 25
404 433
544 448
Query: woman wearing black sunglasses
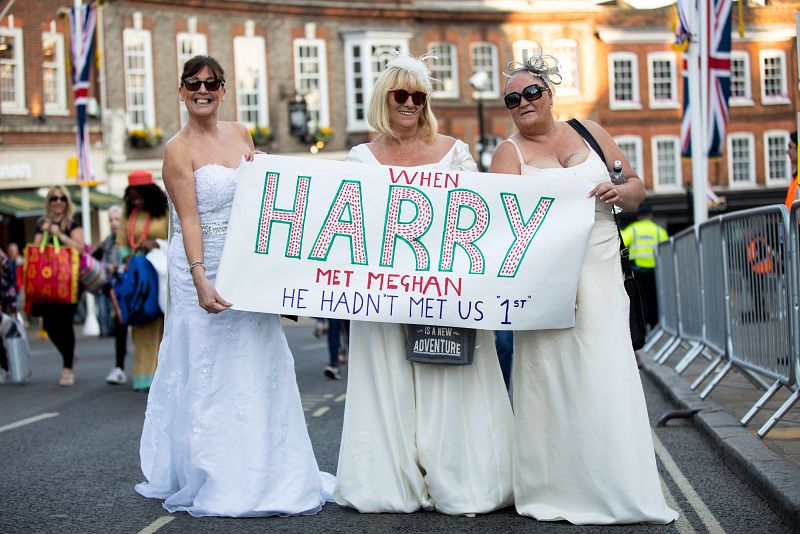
57 318
419 435
224 431
583 450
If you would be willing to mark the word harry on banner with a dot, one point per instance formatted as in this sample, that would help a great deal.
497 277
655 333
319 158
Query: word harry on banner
411 245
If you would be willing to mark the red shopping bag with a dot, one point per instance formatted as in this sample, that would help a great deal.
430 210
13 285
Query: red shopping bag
51 273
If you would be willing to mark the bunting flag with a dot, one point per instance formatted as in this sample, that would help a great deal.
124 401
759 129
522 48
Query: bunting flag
82 55
714 39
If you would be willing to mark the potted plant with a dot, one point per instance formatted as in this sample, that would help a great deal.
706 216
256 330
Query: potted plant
261 135
145 137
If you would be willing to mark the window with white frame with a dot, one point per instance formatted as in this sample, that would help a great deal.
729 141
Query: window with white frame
741 160
522 50
311 79
776 161
251 81
623 75
366 55
666 163
741 89
54 78
189 45
662 75
566 50
774 85
631 146
444 69
138 66
12 72
484 58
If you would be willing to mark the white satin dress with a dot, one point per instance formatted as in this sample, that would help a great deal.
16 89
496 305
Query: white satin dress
224 431
583 449
421 436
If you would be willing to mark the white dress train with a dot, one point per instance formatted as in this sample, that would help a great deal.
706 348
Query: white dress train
583 449
419 435
224 431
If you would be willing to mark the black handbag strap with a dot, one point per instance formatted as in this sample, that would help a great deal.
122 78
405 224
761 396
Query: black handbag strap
592 142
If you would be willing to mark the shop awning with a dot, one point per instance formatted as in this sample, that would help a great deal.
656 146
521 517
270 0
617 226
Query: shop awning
21 204
26 203
96 198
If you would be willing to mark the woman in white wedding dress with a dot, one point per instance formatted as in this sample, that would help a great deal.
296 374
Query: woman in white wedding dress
224 431
583 450
420 435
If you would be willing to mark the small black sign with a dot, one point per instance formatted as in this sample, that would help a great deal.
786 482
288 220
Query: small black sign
447 345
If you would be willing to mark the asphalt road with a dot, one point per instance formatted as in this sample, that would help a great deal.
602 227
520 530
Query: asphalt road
69 461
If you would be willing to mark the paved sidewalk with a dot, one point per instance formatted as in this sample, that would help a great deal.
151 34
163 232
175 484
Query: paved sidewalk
771 466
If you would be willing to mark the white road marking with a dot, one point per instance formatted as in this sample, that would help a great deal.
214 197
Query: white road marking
682 524
694 500
314 346
28 421
340 398
320 411
157 524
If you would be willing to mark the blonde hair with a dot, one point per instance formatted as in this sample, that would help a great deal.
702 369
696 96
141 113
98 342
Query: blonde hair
68 213
411 74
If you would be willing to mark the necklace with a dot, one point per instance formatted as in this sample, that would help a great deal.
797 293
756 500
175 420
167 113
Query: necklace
132 229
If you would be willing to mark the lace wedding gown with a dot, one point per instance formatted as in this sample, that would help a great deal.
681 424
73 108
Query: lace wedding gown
224 431
583 450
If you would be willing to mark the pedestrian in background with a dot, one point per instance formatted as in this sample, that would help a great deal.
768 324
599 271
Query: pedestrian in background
583 448
8 305
641 238
57 318
791 150
420 435
144 222
338 331
110 322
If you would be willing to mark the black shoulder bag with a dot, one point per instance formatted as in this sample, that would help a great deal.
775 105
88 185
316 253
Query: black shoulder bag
637 324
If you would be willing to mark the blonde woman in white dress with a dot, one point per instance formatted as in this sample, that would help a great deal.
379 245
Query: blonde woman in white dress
420 436
583 448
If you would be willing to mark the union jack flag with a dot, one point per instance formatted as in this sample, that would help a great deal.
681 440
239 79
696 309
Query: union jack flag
81 54
715 49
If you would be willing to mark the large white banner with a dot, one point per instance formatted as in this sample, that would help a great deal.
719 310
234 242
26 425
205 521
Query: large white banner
409 245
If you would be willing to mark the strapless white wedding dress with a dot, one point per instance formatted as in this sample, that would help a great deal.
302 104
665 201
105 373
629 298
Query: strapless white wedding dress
224 431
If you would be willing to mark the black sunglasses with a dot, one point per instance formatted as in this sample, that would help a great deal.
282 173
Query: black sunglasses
417 97
193 84
56 198
530 93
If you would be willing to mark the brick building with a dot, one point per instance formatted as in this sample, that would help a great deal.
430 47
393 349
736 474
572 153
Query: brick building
619 69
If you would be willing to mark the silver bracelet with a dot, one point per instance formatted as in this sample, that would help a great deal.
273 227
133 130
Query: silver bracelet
196 264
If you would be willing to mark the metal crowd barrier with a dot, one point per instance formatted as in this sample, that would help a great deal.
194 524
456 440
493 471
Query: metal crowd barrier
667 299
793 269
735 292
689 295
712 283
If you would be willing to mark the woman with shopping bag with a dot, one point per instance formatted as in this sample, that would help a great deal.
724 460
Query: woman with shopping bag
51 274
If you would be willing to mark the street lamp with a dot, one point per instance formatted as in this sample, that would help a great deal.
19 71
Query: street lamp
480 82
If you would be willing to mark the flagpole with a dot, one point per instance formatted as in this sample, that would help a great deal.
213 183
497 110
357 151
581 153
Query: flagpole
90 325
699 98
698 88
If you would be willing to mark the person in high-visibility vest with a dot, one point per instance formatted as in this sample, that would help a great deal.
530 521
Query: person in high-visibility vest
641 238
791 150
